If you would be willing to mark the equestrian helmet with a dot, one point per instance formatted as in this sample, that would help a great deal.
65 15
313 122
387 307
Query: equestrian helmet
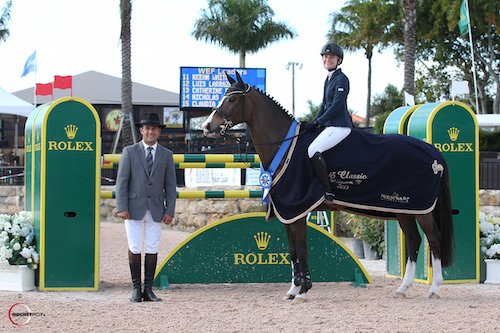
333 48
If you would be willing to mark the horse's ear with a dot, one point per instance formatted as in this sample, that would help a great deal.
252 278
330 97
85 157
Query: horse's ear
240 81
230 79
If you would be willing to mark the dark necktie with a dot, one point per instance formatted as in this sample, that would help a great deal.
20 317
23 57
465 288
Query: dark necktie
149 159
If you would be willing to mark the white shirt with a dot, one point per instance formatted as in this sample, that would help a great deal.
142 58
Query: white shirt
153 151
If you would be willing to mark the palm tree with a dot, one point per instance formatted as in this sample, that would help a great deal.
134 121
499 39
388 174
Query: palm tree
4 19
410 42
242 26
362 24
127 129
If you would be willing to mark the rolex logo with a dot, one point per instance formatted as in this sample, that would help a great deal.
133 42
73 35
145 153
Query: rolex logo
71 131
262 239
453 133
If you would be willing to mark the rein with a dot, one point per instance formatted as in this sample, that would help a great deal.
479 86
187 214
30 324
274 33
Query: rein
229 124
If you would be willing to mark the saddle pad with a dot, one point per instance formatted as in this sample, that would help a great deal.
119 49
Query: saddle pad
376 175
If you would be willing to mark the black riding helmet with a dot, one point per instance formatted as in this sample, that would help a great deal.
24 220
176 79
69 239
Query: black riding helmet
333 48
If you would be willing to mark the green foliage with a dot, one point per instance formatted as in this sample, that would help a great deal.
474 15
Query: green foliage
342 222
364 25
384 104
313 111
4 19
370 231
389 100
241 26
445 55
489 141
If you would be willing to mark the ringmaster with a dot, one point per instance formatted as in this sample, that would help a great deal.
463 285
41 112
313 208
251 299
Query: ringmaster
145 198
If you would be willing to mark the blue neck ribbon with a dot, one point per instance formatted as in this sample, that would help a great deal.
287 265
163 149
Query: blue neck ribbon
266 176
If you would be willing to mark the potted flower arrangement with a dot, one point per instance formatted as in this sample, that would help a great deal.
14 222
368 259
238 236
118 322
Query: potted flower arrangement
18 255
489 227
371 232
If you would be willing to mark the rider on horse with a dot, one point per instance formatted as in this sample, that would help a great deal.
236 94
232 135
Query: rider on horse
333 114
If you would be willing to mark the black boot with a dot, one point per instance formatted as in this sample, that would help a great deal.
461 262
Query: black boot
305 282
134 261
149 274
321 170
296 273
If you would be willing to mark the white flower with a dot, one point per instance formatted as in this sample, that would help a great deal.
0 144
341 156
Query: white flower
6 226
490 236
5 252
17 240
26 253
4 262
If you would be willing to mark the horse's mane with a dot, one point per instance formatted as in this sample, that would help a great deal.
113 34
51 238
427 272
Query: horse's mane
275 103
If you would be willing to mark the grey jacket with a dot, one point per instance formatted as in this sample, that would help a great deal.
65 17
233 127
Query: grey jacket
136 191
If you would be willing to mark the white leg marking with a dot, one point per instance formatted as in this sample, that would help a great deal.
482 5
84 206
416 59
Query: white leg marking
437 277
293 291
408 278
300 298
206 122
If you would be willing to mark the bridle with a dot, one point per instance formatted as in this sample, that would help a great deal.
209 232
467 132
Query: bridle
228 123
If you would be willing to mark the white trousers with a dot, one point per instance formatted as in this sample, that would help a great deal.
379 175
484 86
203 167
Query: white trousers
328 138
143 232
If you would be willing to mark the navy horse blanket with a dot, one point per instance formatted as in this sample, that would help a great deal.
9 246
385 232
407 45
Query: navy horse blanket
370 174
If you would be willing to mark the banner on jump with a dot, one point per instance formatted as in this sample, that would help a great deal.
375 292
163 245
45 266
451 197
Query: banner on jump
203 87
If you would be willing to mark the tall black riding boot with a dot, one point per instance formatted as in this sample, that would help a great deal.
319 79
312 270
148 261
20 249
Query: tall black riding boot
321 170
149 274
134 261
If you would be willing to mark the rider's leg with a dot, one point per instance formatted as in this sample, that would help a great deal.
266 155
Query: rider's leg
322 172
327 139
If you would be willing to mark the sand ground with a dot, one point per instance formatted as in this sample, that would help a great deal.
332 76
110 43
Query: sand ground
331 307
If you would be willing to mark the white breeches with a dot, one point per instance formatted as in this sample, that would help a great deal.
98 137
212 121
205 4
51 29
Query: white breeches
143 232
327 139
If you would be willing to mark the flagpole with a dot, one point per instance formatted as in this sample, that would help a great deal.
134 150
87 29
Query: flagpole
472 53
34 92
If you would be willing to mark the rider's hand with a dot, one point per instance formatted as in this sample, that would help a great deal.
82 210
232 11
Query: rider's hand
310 126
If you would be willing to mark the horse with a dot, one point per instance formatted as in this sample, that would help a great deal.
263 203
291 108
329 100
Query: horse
269 125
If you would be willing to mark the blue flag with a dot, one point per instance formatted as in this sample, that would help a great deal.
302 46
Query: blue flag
30 65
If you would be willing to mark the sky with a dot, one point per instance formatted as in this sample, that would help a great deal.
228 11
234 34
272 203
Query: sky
73 37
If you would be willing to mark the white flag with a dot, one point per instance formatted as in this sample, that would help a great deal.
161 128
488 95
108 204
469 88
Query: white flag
409 99
459 88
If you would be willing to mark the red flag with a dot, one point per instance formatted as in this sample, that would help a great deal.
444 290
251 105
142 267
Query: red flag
63 82
43 89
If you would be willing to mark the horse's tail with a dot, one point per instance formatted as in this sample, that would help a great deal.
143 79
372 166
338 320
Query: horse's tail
443 217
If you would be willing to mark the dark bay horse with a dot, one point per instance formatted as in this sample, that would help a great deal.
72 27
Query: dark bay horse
269 125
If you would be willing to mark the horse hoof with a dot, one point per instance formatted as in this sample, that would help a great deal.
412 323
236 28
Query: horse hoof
399 294
434 296
300 298
288 297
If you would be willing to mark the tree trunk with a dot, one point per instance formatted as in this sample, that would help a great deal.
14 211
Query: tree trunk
410 35
128 131
369 55
242 58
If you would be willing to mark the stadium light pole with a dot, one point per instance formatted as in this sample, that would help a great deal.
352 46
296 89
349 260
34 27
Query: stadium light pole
292 65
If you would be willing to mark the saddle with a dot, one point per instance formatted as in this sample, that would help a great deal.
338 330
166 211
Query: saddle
371 174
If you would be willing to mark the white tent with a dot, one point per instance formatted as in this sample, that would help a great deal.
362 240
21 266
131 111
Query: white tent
11 104
488 120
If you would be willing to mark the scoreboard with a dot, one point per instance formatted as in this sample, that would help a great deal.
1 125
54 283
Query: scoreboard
203 87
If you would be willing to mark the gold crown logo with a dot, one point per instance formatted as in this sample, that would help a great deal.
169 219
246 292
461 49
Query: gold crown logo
71 131
262 239
453 133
